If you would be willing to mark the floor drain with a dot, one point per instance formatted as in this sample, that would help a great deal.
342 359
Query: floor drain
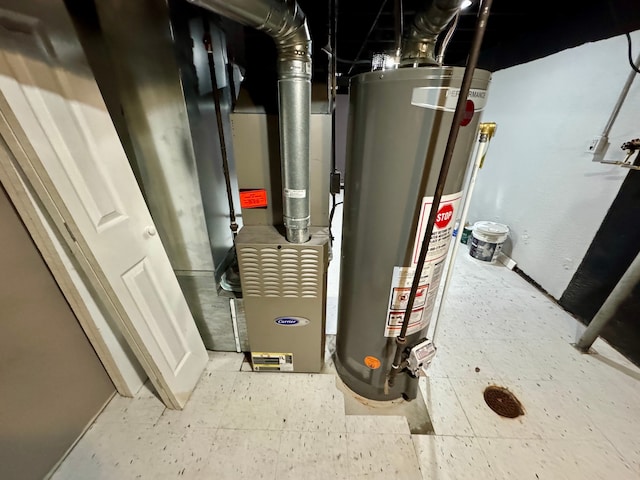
503 402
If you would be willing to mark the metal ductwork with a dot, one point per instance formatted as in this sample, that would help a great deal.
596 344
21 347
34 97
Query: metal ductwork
419 44
285 22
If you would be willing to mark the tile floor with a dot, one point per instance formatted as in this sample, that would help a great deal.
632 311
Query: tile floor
582 411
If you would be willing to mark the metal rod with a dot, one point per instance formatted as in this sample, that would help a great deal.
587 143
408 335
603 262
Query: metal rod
333 59
398 26
607 311
333 25
621 98
487 130
481 26
208 45
232 81
234 323
333 85
366 39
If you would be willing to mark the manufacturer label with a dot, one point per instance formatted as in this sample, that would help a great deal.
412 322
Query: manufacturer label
291 193
292 321
446 98
269 361
402 278
253 198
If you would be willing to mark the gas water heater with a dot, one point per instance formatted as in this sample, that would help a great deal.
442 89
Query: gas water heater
397 119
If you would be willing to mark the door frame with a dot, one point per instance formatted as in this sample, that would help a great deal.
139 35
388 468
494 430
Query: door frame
64 151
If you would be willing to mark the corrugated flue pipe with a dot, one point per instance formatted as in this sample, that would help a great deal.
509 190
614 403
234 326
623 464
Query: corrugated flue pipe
285 22
419 45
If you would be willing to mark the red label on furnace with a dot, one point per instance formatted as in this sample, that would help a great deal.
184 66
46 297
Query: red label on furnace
253 198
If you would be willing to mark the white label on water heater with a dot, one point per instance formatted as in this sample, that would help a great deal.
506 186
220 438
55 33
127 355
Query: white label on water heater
402 278
446 98
442 229
291 193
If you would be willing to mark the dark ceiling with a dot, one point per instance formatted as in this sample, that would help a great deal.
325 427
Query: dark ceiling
517 31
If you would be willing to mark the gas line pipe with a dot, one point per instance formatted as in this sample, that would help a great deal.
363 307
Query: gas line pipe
486 132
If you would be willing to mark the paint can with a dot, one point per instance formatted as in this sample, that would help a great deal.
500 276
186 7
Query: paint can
487 239
466 233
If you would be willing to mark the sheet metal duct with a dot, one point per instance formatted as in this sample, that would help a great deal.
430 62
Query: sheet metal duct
285 22
419 45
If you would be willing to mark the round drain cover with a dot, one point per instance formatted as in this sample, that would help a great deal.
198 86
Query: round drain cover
503 402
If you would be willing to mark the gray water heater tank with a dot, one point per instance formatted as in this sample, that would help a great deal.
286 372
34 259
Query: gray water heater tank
397 119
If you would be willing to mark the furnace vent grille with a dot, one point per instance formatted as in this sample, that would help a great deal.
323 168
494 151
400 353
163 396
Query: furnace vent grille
284 272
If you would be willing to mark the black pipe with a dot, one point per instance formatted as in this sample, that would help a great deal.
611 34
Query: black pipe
398 26
333 58
223 144
444 170
366 38
333 28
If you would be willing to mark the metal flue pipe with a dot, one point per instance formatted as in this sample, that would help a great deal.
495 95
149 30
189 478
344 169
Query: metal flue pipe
419 45
285 22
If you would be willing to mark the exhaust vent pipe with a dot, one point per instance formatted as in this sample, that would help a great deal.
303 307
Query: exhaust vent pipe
285 22
419 44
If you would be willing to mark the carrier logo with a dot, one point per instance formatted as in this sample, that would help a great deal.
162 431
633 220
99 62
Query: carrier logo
292 321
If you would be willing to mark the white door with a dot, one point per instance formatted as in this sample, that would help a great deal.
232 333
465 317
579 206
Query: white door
54 120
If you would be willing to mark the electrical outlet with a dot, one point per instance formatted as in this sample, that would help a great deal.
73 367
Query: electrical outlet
598 144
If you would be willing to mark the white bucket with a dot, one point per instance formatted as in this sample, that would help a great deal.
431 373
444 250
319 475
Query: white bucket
487 239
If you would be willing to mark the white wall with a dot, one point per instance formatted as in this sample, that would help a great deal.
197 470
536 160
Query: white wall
538 178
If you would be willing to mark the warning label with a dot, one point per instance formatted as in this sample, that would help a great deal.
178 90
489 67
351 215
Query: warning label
400 297
431 272
442 230
394 322
253 198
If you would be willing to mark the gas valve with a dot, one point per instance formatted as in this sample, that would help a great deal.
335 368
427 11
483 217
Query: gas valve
631 146
420 357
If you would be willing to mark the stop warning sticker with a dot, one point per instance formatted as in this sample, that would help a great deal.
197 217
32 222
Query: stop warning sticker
442 229
444 216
